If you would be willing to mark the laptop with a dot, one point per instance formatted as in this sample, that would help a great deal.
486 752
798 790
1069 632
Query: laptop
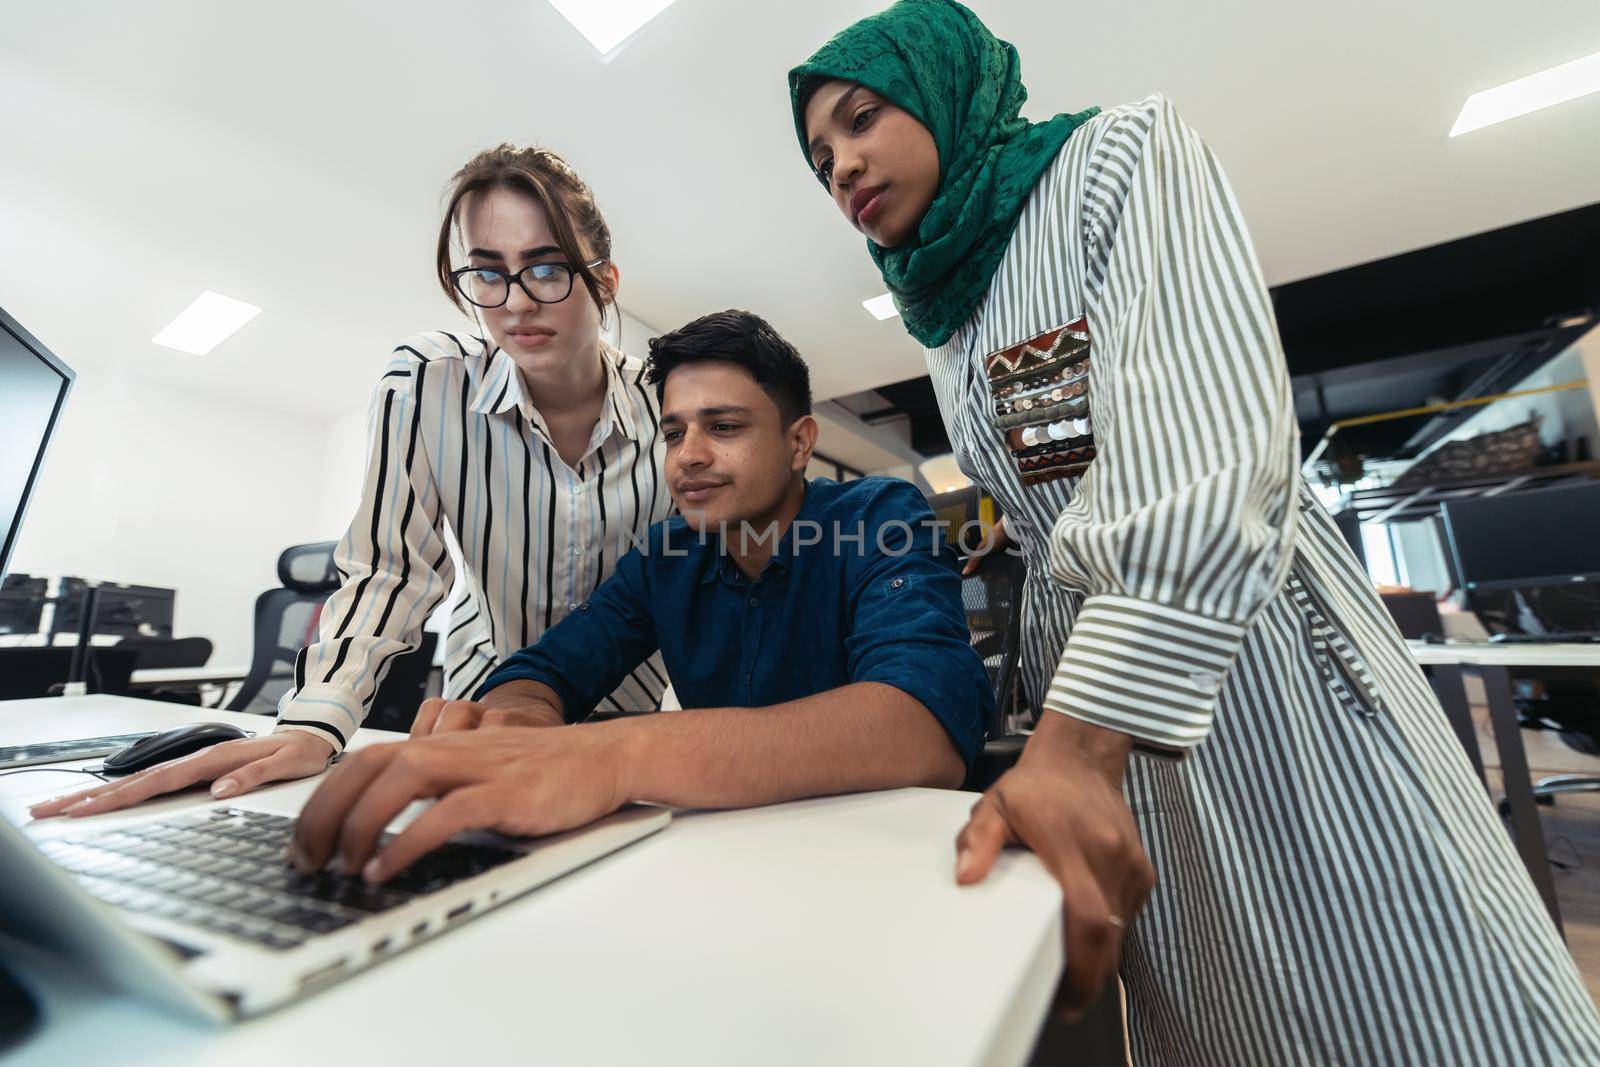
199 910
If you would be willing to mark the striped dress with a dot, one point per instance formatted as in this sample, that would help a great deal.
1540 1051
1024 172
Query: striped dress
1334 887
457 446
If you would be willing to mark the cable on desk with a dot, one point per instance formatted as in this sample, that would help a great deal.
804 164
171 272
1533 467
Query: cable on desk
56 770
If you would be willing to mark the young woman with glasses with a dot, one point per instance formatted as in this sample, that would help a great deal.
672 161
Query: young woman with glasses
534 442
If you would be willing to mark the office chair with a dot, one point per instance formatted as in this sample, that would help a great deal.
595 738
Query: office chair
404 687
42 671
992 596
286 621
166 653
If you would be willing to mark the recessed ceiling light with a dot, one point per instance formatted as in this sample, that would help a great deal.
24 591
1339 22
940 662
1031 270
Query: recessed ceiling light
607 23
206 323
1554 86
882 307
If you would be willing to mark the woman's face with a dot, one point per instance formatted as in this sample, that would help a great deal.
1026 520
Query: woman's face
508 230
880 164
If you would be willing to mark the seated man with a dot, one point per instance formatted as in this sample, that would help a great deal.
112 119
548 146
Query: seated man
816 627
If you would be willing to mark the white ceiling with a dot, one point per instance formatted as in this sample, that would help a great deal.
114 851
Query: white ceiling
292 155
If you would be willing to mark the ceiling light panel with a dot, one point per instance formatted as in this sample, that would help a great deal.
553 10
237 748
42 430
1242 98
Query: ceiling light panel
206 323
1544 89
607 23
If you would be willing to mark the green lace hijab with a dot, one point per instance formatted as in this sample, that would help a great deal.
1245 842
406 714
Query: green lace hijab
937 61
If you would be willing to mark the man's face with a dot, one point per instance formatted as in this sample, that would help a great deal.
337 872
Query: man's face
730 458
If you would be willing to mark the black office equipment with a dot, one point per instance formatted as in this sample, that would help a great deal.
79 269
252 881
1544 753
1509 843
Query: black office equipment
170 653
403 689
992 596
32 671
22 601
122 610
1526 539
286 621
170 744
33 387
1416 614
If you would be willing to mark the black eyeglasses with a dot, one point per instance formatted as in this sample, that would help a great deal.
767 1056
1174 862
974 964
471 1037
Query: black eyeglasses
490 287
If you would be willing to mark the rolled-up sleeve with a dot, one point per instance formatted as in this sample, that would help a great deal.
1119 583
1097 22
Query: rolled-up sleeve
908 628
589 653
1183 527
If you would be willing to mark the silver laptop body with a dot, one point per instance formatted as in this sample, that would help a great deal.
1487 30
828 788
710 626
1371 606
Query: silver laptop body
197 911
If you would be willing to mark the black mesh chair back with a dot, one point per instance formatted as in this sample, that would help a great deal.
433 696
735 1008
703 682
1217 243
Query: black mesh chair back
286 621
39 672
404 687
168 652
992 598
309 568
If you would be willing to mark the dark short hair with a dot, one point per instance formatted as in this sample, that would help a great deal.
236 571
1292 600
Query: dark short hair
746 340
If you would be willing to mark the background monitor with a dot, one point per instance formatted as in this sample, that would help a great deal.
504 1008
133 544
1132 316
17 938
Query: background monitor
1542 537
33 387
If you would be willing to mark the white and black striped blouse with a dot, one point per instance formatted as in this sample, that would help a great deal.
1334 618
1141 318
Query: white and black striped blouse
456 443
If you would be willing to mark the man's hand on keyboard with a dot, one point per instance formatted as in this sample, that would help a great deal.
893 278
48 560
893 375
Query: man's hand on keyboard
234 767
516 781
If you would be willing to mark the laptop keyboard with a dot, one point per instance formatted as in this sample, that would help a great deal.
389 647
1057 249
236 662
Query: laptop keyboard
225 871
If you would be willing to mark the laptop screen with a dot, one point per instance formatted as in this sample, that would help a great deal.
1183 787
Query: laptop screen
33 386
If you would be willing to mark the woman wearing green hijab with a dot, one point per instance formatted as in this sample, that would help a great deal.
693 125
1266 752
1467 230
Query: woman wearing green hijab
1330 883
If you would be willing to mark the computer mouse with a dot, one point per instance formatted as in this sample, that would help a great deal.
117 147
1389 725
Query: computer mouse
169 745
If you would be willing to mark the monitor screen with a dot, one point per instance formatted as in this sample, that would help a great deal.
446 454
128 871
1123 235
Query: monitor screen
33 386
1533 538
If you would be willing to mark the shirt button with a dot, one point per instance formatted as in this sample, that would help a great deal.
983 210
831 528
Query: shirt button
755 602
897 583
577 489
576 551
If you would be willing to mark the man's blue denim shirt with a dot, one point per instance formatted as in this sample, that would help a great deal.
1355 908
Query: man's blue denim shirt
861 588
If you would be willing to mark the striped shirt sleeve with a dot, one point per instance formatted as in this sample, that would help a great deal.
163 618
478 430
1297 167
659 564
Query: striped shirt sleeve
394 565
1183 527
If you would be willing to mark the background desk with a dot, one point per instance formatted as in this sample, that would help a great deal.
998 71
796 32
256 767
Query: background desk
821 932
1444 663
155 677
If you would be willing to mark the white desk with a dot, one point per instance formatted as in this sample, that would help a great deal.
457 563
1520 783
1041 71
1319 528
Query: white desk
821 932
154 677
1489 654
1443 663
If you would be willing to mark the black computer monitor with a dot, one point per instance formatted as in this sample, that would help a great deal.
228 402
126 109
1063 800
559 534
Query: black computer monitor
33 387
1542 537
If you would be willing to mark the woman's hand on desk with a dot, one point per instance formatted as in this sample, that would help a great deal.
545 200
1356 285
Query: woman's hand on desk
1063 801
234 766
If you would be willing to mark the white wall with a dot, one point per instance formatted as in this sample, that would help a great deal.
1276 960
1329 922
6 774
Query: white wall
155 486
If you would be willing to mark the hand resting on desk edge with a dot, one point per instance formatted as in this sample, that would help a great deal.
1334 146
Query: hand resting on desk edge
234 766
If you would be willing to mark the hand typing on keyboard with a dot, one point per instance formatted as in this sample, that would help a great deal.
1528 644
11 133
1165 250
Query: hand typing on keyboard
514 780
